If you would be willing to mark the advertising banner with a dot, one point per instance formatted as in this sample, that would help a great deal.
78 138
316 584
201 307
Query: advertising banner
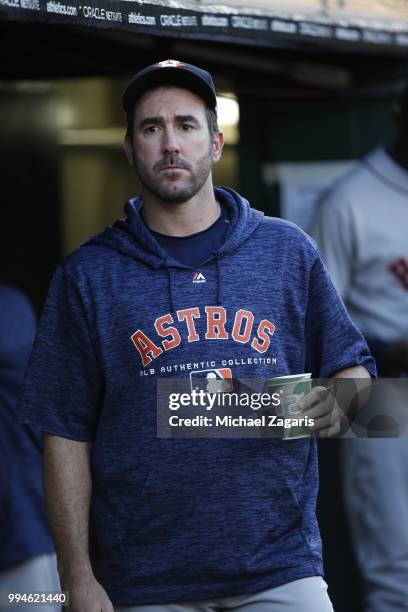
359 25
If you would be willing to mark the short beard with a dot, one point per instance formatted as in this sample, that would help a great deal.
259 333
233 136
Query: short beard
165 192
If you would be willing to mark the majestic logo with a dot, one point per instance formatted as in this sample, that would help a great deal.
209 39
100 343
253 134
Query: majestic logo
169 64
212 381
199 277
240 327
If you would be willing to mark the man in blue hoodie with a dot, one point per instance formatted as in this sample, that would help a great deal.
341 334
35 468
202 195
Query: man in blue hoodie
192 282
27 557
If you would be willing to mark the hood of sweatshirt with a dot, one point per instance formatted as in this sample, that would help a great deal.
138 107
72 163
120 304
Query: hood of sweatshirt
131 237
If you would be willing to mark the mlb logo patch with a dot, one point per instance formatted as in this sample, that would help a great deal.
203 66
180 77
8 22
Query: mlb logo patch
212 381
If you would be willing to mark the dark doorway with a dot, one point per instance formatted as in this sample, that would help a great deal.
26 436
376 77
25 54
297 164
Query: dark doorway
29 188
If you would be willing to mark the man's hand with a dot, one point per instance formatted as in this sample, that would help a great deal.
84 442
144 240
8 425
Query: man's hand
86 594
329 418
333 407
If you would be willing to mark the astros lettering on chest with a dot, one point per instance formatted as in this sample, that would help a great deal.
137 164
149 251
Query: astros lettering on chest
219 323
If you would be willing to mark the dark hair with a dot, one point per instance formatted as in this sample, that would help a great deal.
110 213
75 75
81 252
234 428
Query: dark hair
212 121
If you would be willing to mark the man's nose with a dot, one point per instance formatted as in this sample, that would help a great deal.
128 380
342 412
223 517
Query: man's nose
170 142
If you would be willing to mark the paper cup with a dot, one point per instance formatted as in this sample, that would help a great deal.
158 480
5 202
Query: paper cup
292 390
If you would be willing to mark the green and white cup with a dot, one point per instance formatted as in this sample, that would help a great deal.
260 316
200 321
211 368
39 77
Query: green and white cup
292 390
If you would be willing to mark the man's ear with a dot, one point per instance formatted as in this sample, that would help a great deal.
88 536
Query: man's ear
218 143
128 148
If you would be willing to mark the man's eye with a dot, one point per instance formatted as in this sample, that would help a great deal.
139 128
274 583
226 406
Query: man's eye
152 129
186 127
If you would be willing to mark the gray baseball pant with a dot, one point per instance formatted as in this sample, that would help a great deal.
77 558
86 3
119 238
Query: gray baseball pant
304 595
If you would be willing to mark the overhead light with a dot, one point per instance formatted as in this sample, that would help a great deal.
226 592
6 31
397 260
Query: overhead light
228 118
228 111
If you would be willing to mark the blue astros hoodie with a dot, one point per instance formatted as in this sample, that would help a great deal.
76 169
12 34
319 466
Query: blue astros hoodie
189 519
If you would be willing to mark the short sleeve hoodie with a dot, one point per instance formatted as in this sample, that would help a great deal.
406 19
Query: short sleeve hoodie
189 519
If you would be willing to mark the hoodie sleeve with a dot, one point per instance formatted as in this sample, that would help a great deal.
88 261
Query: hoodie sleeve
333 342
63 381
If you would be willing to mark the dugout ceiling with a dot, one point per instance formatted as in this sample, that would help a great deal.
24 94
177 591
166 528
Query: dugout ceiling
329 43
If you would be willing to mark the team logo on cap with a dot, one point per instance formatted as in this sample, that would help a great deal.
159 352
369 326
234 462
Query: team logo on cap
170 64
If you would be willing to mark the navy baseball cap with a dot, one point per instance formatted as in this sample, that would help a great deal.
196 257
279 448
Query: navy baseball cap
171 72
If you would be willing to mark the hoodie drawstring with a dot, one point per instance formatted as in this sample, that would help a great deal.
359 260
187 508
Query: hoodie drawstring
218 260
170 289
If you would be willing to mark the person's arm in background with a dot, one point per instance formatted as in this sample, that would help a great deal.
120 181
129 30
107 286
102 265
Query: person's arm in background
68 486
334 234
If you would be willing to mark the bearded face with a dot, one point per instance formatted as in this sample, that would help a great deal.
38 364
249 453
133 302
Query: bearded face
172 150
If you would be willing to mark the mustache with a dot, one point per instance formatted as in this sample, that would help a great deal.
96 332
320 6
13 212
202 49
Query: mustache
172 160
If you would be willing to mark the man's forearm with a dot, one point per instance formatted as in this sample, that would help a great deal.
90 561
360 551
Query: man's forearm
358 372
352 395
67 484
